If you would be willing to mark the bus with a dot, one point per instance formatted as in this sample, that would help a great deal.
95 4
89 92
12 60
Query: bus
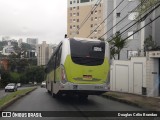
78 66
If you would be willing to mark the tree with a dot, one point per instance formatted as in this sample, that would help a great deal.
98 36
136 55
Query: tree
33 74
145 5
150 44
116 45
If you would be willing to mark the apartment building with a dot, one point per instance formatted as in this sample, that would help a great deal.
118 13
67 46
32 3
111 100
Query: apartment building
78 10
32 41
44 52
123 16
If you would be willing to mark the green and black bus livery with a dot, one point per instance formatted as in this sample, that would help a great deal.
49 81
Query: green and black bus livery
79 66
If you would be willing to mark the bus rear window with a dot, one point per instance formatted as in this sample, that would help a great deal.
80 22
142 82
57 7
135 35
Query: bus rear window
90 53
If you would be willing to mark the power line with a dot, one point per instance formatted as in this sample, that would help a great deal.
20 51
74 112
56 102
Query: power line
138 20
123 19
142 27
107 17
115 16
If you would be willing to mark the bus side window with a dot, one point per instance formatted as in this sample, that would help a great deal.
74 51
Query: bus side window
54 62
58 56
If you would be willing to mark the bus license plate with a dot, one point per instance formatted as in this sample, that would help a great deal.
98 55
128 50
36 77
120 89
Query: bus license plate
87 77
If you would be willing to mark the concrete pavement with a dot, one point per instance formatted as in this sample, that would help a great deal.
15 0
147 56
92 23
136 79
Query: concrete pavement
149 103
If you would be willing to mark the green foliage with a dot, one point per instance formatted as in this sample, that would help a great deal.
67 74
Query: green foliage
116 45
2 43
150 44
5 78
15 77
145 5
33 74
26 46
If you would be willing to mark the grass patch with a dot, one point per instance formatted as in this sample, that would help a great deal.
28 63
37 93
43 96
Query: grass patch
13 95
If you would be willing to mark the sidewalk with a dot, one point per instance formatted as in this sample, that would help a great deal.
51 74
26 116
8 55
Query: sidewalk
148 103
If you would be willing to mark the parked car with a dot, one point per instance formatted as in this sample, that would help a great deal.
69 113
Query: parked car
11 87
43 84
35 83
18 84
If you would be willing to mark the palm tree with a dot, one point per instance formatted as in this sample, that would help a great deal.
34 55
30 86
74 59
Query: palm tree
116 45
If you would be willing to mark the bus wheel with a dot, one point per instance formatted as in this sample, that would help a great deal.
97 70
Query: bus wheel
48 91
55 95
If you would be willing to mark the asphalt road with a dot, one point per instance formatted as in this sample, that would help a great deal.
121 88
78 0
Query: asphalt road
40 100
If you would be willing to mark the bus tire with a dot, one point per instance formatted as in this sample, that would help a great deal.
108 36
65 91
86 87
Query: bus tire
54 95
48 91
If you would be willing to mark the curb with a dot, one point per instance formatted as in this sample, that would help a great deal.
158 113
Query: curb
125 101
14 100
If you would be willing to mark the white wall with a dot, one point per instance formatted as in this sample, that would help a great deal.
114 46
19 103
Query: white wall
129 76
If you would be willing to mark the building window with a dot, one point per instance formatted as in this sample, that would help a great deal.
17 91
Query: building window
74 14
77 13
74 20
129 34
77 20
95 25
70 2
118 14
77 32
133 15
74 8
83 1
95 31
77 26
95 11
71 27
91 25
91 18
74 1
77 1
77 7
95 18
70 8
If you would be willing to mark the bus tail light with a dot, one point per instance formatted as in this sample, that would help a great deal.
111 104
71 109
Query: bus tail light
63 75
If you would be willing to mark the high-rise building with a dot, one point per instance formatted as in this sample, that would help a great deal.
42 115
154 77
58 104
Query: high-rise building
84 16
20 41
44 52
122 17
32 41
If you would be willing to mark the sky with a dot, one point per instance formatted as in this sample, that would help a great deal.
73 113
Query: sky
42 19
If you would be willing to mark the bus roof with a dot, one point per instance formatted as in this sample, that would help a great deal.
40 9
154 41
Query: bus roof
87 39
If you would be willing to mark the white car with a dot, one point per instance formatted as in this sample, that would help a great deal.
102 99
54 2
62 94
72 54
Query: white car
18 84
43 84
11 87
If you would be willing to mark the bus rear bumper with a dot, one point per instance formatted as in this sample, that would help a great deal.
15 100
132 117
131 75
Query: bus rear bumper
90 89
